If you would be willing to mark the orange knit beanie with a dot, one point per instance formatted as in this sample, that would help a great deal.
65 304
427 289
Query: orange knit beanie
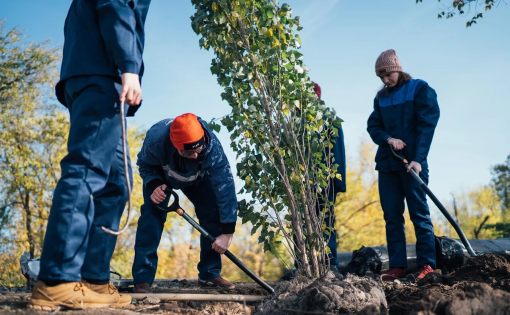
186 132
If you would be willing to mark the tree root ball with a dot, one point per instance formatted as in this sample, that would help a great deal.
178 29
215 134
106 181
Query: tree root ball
328 295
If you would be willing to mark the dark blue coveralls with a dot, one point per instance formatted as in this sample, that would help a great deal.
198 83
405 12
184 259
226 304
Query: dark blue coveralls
208 184
409 112
103 39
336 186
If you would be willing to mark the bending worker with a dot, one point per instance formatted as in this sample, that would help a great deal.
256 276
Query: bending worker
184 154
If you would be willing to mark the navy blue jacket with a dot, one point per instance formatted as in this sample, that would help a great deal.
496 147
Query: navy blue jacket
159 162
103 37
409 112
339 185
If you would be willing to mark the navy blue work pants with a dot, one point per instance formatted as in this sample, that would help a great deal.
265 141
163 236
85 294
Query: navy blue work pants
150 229
91 191
394 187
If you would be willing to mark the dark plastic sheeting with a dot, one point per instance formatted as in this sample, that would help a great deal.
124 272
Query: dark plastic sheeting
500 246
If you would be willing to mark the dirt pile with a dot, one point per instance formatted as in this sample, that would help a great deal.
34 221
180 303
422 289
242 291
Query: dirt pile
480 286
462 298
327 295
488 268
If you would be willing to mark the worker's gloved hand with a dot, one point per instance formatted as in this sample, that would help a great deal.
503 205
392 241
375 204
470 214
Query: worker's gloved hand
131 92
415 166
158 195
222 243
396 144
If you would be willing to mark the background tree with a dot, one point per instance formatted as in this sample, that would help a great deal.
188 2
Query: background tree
279 129
474 8
32 135
501 182
475 211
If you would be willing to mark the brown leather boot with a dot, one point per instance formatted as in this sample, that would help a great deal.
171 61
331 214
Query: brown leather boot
219 282
122 300
72 295
143 287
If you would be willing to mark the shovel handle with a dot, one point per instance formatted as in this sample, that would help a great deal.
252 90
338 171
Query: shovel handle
177 208
439 205
163 205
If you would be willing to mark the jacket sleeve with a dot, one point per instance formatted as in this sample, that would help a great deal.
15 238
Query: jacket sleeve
224 190
427 116
149 165
117 25
339 153
375 126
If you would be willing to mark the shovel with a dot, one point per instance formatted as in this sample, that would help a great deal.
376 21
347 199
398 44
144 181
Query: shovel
443 210
177 208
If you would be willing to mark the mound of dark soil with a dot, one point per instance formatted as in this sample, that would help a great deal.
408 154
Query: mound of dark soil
463 298
488 268
480 286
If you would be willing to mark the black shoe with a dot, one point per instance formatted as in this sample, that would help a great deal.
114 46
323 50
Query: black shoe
143 287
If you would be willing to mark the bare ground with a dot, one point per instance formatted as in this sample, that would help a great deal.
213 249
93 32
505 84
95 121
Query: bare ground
481 286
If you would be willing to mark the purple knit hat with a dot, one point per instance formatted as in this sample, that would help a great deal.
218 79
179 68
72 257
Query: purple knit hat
387 62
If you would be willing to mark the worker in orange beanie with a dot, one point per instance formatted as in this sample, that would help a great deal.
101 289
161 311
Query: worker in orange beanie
183 153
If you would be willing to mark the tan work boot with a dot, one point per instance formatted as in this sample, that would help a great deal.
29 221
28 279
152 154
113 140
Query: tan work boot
72 295
108 288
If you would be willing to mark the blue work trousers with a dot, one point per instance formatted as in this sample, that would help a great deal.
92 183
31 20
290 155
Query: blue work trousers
394 187
91 191
150 229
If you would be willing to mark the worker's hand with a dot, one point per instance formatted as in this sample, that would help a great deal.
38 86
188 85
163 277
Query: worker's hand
396 144
222 243
158 194
131 90
415 166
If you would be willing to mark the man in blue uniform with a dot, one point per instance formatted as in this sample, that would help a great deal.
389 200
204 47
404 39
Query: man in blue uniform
101 70
184 154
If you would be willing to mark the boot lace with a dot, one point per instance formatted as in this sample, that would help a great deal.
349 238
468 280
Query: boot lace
79 287
112 289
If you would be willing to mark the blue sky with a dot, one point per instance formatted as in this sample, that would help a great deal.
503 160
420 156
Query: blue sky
468 67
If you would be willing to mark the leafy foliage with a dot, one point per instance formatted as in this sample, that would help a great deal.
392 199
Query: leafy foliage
279 129
32 135
475 211
501 182
459 7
